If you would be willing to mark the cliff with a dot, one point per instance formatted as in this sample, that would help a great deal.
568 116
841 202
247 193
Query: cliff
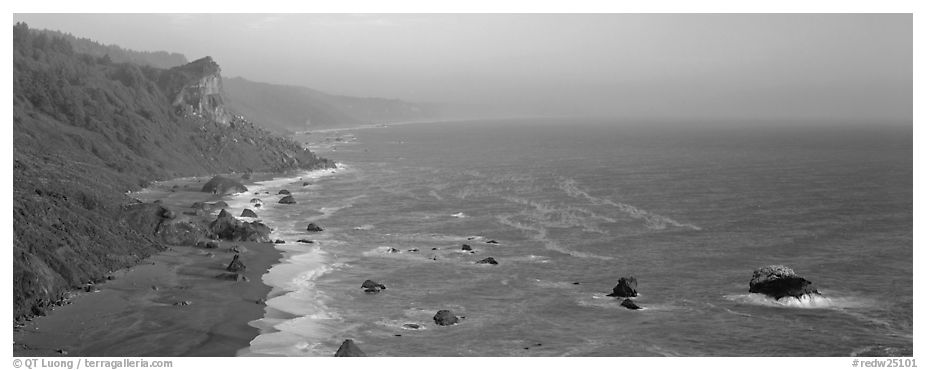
85 131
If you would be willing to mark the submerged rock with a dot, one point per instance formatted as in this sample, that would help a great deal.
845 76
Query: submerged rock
626 287
307 241
630 304
466 247
236 265
779 281
491 242
248 213
288 200
313 227
223 185
488 260
371 286
445 318
349 349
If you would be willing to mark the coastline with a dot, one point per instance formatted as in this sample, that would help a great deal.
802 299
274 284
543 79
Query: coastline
172 303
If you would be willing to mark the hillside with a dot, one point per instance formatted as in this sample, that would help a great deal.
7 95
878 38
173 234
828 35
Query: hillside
286 109
85 131
117 54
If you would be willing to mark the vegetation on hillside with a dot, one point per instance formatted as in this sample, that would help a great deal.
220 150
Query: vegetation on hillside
86 129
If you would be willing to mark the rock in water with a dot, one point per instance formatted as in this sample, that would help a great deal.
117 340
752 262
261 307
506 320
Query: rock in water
284 192
349 349
626 287
466 247
630 304
313 227
371 286
445 318
236 265
248 213
779 281
223 185
288 200
488 260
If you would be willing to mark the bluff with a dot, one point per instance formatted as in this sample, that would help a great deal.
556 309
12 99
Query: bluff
86 130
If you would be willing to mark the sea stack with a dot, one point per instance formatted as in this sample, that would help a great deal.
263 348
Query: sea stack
349 349
779 281
626 287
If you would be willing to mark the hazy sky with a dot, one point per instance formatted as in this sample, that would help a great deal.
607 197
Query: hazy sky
681 66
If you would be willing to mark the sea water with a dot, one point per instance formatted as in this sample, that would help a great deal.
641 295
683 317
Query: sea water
689 210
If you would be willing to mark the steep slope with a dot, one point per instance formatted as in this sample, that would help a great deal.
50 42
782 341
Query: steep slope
85 131
283 108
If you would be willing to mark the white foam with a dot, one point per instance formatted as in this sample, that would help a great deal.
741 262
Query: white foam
651 220
459 215
807 301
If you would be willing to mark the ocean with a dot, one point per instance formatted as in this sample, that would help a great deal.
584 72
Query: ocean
575 204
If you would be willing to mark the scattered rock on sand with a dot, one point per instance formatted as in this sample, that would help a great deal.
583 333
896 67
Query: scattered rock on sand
626 287
236 265
445 318
313 227
288 200
779 281
223 185
248 213
371 286
349 349
488 260
630 304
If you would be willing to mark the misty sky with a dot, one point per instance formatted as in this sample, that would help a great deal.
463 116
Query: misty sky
845 67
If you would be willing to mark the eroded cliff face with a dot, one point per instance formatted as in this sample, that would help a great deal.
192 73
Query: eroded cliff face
197 89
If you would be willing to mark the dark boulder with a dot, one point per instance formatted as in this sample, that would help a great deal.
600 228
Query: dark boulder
466 247
626 287
279 241
371 286
630 304
307 241
223 185
288 200
256 200
491 242
779 281
488 261
227 227
349 349
412 326
283 192
236 265
248 213
313 228
445 318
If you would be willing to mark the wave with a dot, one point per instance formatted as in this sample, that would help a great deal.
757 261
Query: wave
651 220
569 216
807 301
539 234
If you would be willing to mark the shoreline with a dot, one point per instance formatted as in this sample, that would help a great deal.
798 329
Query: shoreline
173 303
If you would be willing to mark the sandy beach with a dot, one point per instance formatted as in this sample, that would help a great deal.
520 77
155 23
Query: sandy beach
174 303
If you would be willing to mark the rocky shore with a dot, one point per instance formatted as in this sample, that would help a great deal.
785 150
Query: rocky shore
175 303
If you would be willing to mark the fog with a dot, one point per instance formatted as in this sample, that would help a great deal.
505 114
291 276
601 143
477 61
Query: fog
758 67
